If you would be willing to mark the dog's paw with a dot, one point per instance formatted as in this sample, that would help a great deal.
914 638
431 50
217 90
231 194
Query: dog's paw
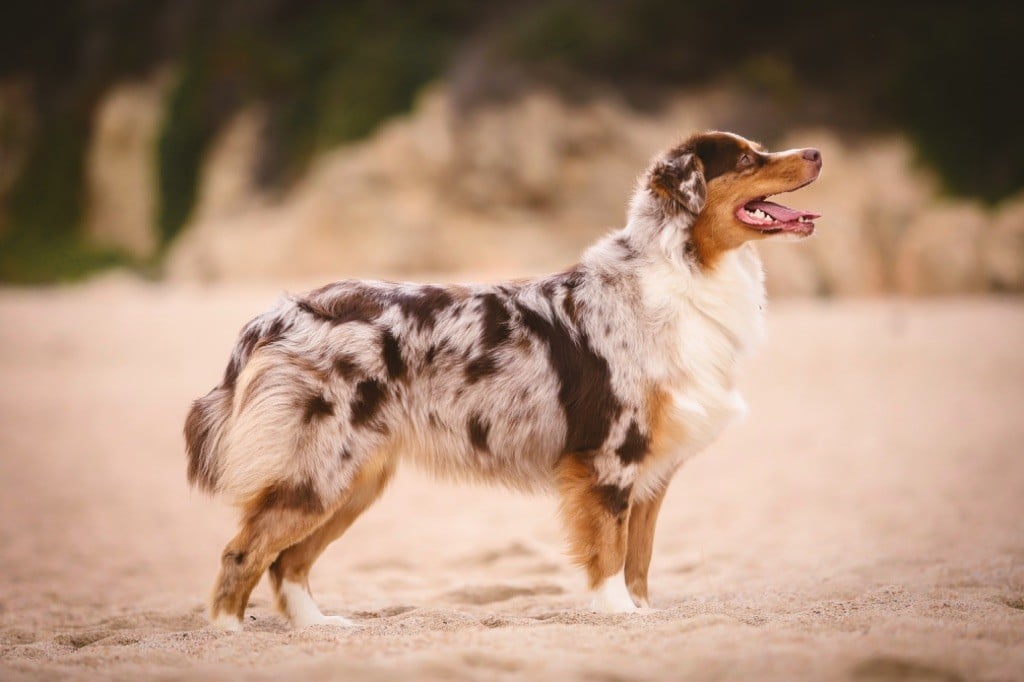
225 622
612 596
334 621
302 611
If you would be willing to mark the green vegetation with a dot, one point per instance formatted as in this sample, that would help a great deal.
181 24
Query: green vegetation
45 208
187 130
329 72
328 75
24 259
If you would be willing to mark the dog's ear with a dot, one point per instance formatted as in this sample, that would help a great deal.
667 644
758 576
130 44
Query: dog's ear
678 180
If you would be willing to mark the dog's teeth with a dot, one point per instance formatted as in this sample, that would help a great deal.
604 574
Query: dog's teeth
758 214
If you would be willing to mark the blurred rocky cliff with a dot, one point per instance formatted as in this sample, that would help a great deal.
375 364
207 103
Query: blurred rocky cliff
522 188
226 139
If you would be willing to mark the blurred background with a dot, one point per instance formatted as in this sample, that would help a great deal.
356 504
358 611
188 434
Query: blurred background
208 140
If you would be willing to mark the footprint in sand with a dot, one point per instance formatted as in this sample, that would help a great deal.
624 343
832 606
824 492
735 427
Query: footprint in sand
545 568
386 612
155 621
516 550
18 636
79 640
488 594
125 629
889 668
489 662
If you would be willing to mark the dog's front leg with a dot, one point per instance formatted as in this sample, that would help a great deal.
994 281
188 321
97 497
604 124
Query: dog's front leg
597 520
642 518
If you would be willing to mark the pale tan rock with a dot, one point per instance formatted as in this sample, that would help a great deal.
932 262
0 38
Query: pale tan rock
525 186
226 185
511 155
940 252
121 168
1003 247
790 268
865 196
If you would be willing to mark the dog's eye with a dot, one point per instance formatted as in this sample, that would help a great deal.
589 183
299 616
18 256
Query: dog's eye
746 160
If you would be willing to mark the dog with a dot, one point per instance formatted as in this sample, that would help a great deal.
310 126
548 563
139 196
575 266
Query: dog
596 383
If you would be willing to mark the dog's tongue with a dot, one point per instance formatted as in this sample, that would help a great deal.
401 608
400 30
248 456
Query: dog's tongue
783 214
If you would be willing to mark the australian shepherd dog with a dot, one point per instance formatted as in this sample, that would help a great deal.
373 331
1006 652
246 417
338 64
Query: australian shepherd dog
595 383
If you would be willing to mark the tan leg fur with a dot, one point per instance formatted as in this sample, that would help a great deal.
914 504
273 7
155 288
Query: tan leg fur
642 519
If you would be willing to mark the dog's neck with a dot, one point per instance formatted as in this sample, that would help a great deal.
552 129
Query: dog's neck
655 234
677 291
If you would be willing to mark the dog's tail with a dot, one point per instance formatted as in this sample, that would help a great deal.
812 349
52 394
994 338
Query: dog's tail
210 418
205 426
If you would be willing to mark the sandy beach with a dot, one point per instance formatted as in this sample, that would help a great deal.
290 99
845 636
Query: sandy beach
866 520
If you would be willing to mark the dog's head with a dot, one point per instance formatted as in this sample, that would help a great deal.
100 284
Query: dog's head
721 182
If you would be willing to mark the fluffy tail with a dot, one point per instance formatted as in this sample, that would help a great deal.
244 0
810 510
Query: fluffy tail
209 419
205 426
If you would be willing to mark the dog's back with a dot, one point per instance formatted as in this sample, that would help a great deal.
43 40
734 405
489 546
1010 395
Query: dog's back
495 382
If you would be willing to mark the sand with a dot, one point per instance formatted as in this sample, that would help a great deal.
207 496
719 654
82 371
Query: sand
866 521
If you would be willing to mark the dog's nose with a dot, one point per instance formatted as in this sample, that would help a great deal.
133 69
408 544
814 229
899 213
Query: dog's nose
812 155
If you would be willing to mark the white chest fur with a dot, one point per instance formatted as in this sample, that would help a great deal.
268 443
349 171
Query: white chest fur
706 322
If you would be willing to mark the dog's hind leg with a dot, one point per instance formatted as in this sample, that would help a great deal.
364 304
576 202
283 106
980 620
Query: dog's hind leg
597 518
642 519
280 516
289 574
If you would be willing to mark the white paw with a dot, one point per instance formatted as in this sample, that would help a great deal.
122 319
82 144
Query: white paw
335 621
227 623
303 612
611 596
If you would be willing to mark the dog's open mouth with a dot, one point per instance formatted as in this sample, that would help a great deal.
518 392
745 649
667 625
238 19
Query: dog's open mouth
770 217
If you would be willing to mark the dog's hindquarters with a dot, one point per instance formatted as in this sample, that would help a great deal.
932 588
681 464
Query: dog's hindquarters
290 458
210 418
263 432
288 437
292 410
